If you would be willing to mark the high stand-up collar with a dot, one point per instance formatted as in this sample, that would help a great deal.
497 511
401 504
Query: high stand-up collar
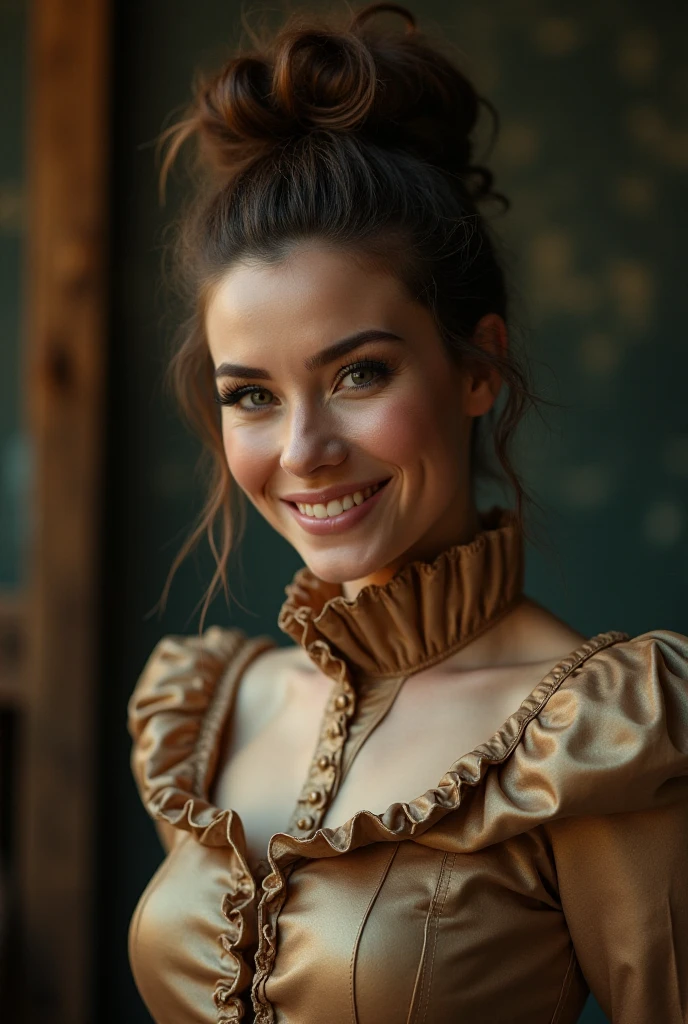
423 614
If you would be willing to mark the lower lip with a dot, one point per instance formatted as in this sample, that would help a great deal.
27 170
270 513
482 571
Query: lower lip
337 524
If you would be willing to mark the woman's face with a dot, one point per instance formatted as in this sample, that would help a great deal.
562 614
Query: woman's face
344 420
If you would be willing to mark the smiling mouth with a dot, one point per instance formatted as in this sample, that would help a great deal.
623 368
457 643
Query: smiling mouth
338 505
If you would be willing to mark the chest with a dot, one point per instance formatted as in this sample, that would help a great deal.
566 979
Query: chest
266 749
391 932
405 734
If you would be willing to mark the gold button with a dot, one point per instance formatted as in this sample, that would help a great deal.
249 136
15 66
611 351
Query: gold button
341 701
333 731
323 762
305 823
313 796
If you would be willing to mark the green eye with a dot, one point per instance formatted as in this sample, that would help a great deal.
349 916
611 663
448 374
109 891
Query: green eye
259 397
359 376
364 374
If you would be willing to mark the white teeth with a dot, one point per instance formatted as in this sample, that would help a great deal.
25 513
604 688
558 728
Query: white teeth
337 505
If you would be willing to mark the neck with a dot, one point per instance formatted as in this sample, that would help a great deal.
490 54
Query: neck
458 525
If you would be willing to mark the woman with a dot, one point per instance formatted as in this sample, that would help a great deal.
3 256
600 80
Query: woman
441 802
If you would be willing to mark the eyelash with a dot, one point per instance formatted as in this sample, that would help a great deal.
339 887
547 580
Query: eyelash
230 396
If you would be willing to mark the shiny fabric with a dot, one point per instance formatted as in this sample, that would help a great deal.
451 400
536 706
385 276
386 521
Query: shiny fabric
550 860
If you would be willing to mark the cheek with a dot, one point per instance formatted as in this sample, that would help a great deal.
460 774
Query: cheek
250 458
406 428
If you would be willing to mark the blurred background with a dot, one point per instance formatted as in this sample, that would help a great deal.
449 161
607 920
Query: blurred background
97 475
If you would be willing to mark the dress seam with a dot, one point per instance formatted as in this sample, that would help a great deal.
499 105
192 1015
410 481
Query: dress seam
565 986
354 952
436 915
417 994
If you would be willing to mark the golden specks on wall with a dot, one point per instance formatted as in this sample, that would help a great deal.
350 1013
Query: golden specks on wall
664 523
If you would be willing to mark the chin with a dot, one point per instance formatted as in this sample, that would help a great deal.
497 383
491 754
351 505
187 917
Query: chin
347 566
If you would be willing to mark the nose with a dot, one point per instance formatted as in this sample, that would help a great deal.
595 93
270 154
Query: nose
310 443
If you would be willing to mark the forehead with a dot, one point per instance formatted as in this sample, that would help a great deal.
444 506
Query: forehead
314 296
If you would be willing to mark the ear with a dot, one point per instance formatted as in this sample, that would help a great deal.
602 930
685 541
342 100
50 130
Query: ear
484 382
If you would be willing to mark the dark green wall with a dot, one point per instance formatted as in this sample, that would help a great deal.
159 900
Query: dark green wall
13 454
593 155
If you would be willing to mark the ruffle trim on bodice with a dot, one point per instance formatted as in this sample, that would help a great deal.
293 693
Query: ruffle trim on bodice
175 718
605 731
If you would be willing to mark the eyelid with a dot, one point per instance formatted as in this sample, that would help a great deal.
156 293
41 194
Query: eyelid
233 396
363 364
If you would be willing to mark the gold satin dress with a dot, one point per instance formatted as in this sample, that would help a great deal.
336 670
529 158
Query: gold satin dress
549 861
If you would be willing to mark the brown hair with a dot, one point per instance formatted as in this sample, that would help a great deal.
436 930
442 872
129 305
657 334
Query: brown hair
362 138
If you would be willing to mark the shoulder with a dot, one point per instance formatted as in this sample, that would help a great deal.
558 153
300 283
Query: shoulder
605 732
533 634
613 729
182 674
177 707
182 669
642 678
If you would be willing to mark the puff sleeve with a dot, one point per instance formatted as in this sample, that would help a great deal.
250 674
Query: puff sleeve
176 714
170 718
623 876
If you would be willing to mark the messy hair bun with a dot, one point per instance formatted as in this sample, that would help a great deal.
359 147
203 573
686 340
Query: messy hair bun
392 89
360 136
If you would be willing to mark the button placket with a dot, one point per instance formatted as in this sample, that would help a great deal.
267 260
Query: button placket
325 769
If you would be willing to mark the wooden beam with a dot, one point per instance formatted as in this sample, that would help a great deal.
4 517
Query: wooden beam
13 649
65 299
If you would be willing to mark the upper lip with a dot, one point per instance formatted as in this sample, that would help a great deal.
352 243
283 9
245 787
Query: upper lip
329 493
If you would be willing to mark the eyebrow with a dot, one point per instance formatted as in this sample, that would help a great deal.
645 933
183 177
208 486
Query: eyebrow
327 355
